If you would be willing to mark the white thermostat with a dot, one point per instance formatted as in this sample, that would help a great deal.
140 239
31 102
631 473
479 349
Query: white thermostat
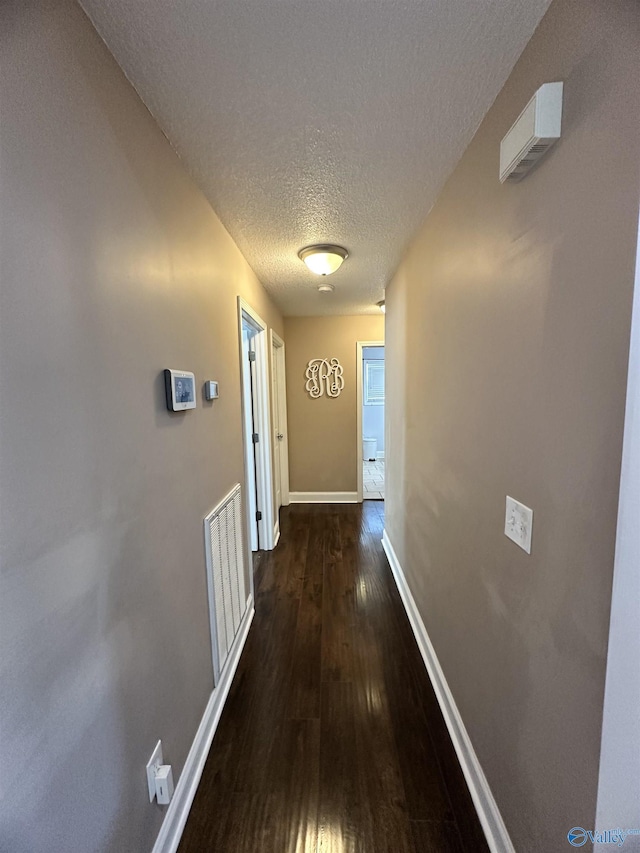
211 390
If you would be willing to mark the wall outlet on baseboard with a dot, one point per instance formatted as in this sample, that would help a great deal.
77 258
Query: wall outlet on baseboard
164 784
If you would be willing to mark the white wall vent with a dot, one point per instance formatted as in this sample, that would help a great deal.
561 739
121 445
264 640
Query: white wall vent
225 575
533 133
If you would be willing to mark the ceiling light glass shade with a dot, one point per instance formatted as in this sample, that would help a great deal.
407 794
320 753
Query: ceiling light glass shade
381 305
323 259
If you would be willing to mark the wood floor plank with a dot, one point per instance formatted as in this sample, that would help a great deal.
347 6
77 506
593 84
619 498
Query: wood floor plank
332 540
338 606
304 697
342 812
337 624
384 792
271 647
296 783
430 836
298 544
245 824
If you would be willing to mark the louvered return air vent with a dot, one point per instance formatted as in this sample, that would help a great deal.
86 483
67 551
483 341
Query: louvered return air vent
533 134
225 576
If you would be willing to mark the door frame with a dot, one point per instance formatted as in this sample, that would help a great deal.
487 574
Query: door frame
278 366
360 345
262 409
618 770
249 495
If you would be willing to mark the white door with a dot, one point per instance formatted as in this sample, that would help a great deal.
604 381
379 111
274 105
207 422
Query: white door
279 401
259 485
249 406
278 434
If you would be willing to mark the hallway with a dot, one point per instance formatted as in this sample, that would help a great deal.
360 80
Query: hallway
331 738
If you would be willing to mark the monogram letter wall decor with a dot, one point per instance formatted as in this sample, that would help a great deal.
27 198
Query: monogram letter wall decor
324 376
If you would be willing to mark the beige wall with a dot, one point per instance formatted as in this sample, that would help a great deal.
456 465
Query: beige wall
322 433
114 267
507 342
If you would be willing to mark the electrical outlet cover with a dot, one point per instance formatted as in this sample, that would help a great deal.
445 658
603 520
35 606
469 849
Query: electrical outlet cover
152 765
518 524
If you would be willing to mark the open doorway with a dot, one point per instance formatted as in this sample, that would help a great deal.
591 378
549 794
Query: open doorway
370 355
258 490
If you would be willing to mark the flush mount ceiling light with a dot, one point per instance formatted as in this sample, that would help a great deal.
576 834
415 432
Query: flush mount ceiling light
323 259
325 287
381 305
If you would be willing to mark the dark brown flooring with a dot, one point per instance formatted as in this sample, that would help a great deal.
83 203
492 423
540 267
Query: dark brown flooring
331 740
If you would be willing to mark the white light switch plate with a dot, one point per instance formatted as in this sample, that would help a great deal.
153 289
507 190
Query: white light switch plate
518 523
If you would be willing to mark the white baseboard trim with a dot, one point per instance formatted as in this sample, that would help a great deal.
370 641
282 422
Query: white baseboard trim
486 806
176 817
380 454
323 497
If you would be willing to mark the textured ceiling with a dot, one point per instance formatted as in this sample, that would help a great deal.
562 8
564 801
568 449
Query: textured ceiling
307 121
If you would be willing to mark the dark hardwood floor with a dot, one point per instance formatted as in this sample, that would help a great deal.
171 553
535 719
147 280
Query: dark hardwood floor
331 740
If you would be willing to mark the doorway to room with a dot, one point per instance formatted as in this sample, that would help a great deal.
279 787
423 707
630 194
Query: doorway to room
371 420
258 487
